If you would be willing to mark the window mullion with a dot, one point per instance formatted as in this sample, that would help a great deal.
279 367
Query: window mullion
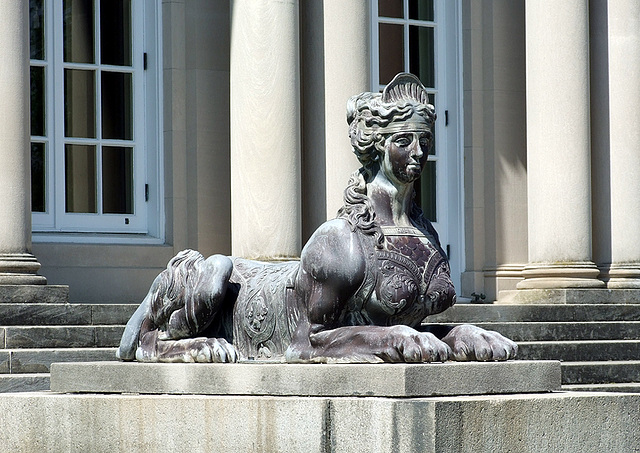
98 61
58 144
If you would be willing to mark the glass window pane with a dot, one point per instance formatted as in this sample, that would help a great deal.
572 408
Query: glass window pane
391 51
37 101
80 178
36 29
79 103
421 9
427 191
117 106
78 31
117 180
421 54
390 8
115 32
38 177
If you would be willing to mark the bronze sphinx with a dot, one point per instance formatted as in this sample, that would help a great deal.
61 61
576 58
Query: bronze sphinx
364 283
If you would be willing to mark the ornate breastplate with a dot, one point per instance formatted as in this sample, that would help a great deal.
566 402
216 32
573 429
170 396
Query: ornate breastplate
406 280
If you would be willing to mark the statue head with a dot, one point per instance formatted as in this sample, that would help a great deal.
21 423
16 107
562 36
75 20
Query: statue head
402 106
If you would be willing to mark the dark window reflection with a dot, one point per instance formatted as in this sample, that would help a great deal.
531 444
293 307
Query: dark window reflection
38 179
421 10
390 8
115 32
78 31
117 180
79 103
391 51
425 188
117 108
37 101
36 30
80 178
422 54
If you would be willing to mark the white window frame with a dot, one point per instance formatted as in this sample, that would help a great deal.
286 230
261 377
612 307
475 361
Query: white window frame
146 225
447 26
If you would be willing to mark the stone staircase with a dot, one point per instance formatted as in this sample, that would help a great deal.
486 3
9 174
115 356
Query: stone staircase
598 344
33 335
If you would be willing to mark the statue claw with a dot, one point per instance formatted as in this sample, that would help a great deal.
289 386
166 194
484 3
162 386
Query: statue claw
469 342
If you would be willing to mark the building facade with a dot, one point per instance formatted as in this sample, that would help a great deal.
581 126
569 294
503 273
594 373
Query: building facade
220 126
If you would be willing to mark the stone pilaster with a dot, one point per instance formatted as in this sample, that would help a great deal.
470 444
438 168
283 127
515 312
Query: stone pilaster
17 265
265 129
558 146
624 136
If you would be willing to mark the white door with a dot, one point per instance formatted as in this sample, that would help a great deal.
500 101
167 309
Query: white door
423 37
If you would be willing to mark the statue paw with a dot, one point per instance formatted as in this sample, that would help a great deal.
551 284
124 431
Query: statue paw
415 346
214 350
469 342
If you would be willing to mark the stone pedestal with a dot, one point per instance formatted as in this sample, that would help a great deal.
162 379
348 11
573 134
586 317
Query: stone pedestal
338 408
283 379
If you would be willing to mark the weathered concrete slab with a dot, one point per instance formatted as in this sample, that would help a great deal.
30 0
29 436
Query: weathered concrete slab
565 331
570 422
112 313
33 314
570 296
39 360
23 383
478 313
588 350
62 336
388 380
56 294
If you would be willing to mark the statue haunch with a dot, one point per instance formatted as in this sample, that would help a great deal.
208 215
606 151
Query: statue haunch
364 283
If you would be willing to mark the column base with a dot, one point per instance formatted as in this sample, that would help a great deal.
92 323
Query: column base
20 269
569 296
624 276
577 274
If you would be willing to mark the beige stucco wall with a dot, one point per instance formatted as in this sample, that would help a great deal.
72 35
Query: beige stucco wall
495 186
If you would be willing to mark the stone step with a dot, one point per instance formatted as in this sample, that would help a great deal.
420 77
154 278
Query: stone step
601 372
24 382
474 313
563 331
64 314
39 360
23 337
44 294
578 351
625 387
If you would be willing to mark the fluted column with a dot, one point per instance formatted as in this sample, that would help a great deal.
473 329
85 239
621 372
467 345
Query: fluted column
558 146
624 126
265 129
17 265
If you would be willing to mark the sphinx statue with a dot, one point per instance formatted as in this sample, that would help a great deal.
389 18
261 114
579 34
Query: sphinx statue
363 286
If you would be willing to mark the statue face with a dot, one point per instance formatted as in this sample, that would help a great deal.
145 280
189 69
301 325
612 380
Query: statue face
405 155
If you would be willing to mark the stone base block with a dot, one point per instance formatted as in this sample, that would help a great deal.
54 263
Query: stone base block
44 294
570 296
533 423
281 379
